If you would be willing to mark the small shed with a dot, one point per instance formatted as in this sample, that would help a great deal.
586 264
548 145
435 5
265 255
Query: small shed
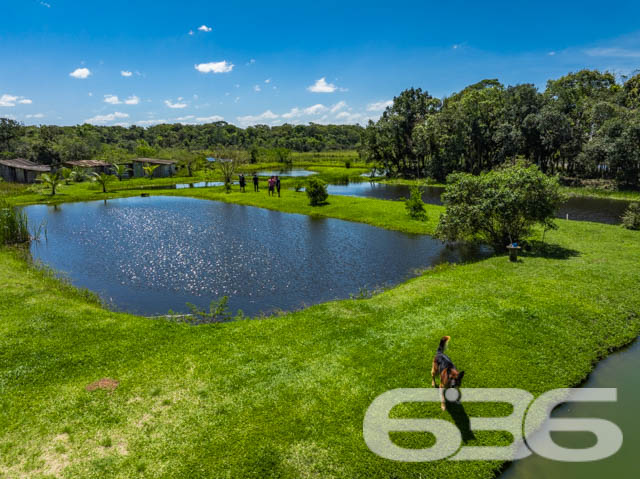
165 167
20 170
94 166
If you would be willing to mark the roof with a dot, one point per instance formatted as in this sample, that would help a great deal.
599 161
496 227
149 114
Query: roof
154 161
25 165
87 163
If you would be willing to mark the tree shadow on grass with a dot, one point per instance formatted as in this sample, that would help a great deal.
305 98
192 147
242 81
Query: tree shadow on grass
538 249
461 419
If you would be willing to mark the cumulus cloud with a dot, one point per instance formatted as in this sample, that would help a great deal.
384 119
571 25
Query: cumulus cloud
209 119
379 105
101 119
215 67
315 109
253 119
321 86
132 100
126 73
257 88
112 99
35 115
204 28
338 106
11 100
178 104
80 73
150 122
268 80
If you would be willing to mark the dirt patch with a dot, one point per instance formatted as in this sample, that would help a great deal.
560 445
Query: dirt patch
107 384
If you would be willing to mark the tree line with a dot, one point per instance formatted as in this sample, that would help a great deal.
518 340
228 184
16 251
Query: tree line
51 145
584 125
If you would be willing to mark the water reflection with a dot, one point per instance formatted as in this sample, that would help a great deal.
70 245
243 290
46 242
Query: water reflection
149 255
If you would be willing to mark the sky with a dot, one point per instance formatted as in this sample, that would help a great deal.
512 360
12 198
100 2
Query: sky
145 62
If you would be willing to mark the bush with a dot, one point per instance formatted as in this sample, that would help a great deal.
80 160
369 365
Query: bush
415 205
316 191
347 163
299 184
500 206
14 226
631 217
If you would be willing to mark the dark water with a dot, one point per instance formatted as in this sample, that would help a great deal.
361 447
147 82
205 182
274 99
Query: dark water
599 210
620 370
149 255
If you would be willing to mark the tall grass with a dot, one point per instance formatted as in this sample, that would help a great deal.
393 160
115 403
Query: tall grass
14 225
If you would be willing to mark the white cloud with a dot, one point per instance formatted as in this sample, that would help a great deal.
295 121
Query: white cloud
268 80
338 106
257 88
123 124
126 73
551 54
379 105
45 4
11 100
35 115
321 86
185 118
293 113
215 67
253 119
204 28
132 100
150 122
178 104
112 99
90 94
315 109
209 119
101 119
613 52
80 73
190 32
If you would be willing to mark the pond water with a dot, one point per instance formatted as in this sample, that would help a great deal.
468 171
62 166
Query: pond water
150 255
620 370
292 172
599 210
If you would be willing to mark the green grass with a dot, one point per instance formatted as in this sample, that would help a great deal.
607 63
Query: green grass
601 193
285 396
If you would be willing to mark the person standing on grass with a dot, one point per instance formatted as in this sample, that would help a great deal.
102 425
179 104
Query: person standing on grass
256 188
242 182
272 184
278 185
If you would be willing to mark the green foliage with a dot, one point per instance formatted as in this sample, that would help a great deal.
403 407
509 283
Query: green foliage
500 206
218 312
102 179
282 155
53 180
316 191
65 173
14 225
144 150
347 163
120 170
78 175
631 217
415 205
149 170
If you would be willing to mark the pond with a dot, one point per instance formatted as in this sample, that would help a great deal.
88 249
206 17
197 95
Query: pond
599 210
620 370
150 255
297 172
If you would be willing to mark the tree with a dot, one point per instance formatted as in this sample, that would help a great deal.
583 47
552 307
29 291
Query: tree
283 155
149 170
500 206
228 168
102 179
144 150
9 131
120 170
316 191
51 179
415 205
65 173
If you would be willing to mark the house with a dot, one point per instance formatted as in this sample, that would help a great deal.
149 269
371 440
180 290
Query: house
94 166
20 170
164 168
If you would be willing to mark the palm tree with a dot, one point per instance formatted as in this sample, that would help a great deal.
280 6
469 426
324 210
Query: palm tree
78 175
51 179
65 173
103 179
120 170
149 169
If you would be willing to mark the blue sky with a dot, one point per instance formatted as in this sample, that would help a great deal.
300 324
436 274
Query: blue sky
145 62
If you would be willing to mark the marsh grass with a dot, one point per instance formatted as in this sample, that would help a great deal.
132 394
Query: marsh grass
14 225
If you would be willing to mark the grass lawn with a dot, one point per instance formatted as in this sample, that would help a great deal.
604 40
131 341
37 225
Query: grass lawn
286 396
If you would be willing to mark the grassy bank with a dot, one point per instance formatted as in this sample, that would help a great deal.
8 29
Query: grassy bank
285 397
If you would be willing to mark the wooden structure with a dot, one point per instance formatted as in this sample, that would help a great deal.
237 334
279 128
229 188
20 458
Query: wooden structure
165 167
20 170
94 166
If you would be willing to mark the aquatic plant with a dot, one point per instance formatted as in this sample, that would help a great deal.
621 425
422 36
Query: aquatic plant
14 225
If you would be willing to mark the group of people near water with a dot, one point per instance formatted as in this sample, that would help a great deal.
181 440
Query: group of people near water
273 183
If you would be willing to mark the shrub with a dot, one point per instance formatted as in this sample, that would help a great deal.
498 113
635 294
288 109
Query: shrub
14 226
631 217
316 191
415 205
500 206
298 186
347 163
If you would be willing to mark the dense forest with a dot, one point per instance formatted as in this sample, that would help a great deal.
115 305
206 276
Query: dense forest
56 144
584 125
